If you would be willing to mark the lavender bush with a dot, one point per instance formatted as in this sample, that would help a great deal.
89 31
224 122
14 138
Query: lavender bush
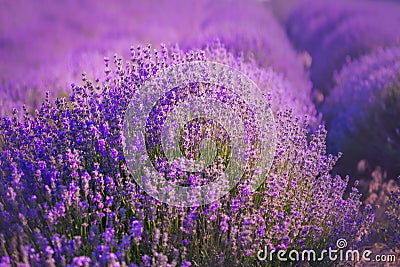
334 31
68 198
363 110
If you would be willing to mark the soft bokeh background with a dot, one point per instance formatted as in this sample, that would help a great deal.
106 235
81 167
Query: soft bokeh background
49 44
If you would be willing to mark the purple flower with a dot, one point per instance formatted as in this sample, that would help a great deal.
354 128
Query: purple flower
81 261
224 224
146 259
114 153
136 229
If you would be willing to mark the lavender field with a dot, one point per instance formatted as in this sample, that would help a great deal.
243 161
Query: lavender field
200 133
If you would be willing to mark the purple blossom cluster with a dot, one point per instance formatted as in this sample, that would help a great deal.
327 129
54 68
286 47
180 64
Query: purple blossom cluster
362 110
69 199
333 32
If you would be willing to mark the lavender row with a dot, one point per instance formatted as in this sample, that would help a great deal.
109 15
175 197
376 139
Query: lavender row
363 111
333 32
